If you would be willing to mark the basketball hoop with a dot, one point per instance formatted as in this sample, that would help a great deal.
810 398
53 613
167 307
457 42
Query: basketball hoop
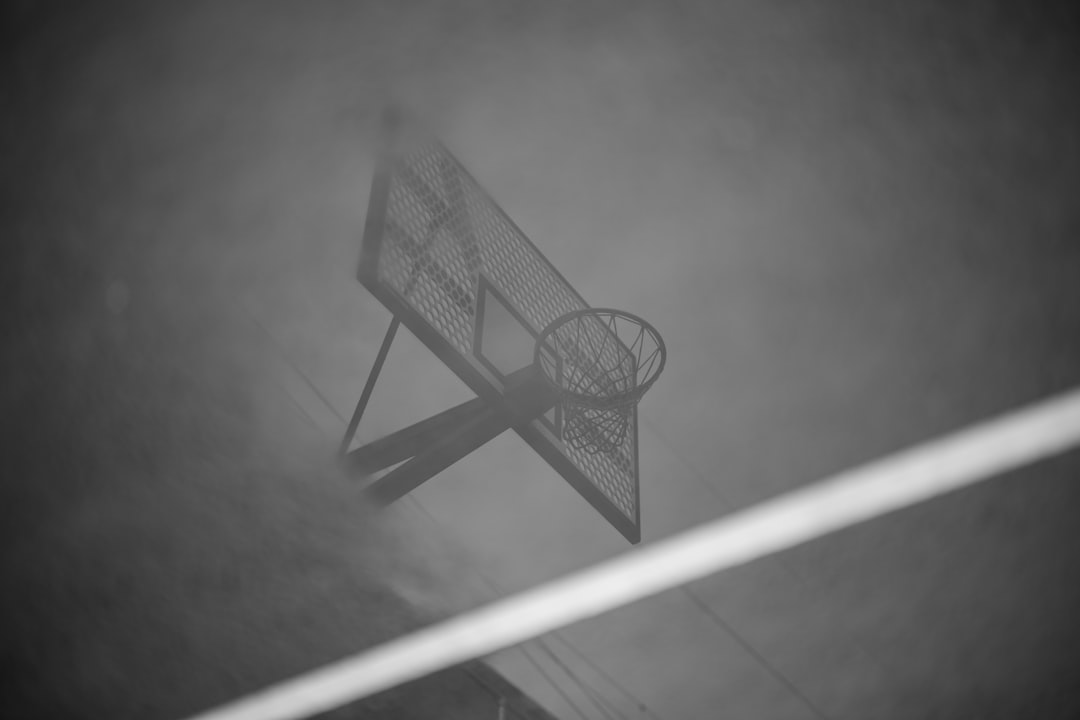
452 267
600 361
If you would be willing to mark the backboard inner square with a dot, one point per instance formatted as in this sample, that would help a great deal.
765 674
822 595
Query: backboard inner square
505 343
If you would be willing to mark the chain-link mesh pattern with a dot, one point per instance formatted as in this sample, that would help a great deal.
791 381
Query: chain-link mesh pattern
442 231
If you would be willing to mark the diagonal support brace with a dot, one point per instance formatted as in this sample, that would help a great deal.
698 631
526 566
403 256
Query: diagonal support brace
528 397
407 442
369 386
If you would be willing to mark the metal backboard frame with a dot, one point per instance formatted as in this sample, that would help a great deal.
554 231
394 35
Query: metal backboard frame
436 247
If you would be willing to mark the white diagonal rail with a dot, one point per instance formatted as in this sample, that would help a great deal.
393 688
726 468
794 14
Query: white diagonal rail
920 473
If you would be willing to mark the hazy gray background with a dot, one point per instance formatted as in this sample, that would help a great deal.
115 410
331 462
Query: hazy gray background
854 223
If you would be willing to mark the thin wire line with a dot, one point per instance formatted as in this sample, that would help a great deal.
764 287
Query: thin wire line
551 681
745 645
778 559
494 692
600 703
642 707
276 346
713 616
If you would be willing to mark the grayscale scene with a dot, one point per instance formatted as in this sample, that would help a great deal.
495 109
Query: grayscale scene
334 322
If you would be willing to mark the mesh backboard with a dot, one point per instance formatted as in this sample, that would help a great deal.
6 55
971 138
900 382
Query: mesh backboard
449 263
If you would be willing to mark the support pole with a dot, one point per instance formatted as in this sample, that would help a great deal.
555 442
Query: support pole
421 468
369 386
528 397
413 440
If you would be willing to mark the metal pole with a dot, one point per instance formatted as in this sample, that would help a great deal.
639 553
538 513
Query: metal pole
413 440
369 386
529 396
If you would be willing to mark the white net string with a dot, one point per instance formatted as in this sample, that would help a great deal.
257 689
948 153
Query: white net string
601 374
